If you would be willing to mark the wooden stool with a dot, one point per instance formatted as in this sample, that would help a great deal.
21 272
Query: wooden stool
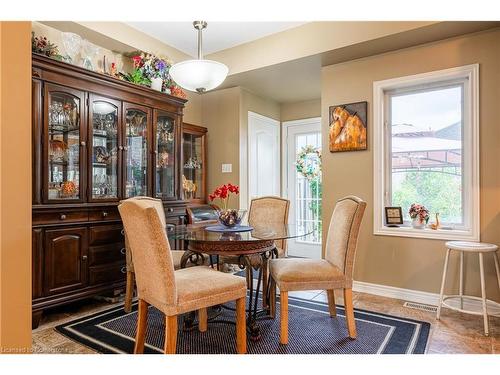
469 247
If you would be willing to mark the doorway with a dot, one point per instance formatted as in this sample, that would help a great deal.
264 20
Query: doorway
302 184
264 156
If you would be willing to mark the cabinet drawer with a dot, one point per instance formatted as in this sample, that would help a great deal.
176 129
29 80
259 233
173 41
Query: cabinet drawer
62 216
110 213
106 254
105 234
175 211
108 273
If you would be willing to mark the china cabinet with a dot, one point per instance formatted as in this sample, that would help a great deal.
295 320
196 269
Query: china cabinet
194 163
96 140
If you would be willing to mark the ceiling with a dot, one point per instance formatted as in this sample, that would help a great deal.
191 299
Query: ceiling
217 36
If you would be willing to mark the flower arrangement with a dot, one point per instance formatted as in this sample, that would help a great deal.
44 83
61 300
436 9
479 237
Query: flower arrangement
228 217
44 47
308 162
419 214
223 193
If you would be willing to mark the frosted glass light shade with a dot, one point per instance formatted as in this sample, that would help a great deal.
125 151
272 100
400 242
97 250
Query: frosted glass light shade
199 75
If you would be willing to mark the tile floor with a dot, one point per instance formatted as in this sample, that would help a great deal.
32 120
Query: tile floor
454 333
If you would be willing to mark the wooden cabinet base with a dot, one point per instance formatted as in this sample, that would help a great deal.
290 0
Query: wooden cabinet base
36 316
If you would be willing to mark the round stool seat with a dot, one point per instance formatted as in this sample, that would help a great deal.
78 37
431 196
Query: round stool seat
473 247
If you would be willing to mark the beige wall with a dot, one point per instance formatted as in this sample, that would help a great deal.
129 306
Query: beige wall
406 262
300 110
15 187
221 115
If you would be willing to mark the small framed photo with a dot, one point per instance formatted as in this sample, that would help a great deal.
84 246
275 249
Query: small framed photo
393 216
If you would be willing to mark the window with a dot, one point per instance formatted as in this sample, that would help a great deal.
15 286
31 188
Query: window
426 151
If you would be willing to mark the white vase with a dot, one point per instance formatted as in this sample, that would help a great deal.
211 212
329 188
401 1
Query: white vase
156 83
417 224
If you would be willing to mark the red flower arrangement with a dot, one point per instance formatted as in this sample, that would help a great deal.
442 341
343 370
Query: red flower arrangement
224 193
419 212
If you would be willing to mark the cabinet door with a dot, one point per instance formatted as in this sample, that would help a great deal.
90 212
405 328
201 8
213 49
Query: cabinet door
64 144
194 163
165 149
136 149
65 260
104 150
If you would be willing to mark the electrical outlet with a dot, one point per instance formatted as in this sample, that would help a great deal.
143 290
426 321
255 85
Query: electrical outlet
227 168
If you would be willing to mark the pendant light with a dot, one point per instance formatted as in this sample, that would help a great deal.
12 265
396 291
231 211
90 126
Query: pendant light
199 75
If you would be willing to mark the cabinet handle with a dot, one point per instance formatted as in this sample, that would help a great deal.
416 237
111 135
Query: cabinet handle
122 232
123 250
82 143
84 258
170 209
123 270
62 217
125 148
120 148
104 214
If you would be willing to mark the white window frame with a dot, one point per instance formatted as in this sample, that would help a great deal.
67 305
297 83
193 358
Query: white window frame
470 136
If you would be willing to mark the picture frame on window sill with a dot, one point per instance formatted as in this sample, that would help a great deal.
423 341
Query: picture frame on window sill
393 216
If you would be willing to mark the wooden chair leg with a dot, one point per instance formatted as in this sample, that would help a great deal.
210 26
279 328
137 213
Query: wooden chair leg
349 313
272 299
142 325
241 326
170 334
284 317
129 291
249 276
202 320
331 302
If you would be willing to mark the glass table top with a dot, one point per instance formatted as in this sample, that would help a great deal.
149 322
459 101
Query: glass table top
266 232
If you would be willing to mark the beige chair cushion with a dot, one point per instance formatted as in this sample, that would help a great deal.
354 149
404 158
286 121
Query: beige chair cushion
199 287
305 274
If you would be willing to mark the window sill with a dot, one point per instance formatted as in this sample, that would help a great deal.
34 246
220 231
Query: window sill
438 234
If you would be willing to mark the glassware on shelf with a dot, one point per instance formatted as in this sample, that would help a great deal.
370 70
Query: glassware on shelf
104 147
165 151
89 53
72 43
136 152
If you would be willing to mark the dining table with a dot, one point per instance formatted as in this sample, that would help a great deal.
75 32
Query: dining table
250 247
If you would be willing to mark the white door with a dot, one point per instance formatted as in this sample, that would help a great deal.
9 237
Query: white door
263 156
302 184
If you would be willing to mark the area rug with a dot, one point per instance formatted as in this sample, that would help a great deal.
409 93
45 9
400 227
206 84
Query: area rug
311 331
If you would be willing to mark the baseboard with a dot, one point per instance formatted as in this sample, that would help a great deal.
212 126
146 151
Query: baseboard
417 296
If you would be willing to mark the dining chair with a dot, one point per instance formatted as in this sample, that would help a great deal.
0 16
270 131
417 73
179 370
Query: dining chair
265 210
176 254
174 292
334 271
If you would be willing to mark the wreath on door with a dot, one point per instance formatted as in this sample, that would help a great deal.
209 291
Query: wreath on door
308 162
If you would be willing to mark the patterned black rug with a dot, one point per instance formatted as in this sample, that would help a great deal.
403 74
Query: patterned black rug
311 331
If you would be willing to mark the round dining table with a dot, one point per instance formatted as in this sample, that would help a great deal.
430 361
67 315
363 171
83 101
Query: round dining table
250 249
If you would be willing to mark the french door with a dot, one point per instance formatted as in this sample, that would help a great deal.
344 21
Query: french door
302 184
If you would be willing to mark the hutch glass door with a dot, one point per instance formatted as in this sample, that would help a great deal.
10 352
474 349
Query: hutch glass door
64 137
104 117
165 155
136 151
192 178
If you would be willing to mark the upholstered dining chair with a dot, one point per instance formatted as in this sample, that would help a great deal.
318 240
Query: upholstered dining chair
172 291
265 210
335 271
176 254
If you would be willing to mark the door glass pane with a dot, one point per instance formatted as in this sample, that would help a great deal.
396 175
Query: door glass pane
136 150
64 146
308 187
426 152
165 155
192 169
104 148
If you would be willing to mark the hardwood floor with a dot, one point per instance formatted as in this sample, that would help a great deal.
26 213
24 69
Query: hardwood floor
454 333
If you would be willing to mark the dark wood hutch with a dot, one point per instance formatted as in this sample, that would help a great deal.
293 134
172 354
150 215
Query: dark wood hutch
96 140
